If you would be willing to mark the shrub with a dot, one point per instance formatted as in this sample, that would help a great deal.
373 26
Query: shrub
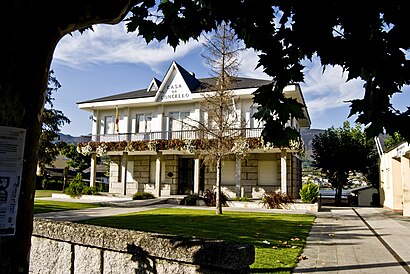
210 198
309 192
241 199
142 195
276 200
190 199
76 187
51 184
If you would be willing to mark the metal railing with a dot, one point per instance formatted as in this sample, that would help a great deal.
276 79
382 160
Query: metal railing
169 135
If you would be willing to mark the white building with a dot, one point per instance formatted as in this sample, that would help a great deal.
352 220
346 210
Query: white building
148 136
395 178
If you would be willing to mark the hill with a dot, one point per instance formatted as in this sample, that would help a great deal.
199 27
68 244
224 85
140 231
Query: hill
307 136
67 138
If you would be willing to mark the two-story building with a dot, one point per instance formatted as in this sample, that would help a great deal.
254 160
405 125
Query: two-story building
151 138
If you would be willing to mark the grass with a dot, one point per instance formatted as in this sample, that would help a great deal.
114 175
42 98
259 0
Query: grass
43 206
278 238
44 193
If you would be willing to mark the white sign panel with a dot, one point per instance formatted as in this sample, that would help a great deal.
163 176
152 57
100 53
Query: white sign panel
11 167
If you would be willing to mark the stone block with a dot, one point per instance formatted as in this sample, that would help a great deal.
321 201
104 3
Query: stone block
44 248
87 260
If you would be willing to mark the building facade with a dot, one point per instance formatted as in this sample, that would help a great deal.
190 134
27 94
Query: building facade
395 178
152 138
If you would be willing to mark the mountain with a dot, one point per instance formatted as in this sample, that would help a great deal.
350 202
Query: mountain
67 138
307 136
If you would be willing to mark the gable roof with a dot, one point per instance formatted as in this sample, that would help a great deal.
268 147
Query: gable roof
194 84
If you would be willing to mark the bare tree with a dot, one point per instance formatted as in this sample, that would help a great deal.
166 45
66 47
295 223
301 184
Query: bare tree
222 121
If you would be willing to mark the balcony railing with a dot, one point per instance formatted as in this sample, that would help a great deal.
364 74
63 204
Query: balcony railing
169 135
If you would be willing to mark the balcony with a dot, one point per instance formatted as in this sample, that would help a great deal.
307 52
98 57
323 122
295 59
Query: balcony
170 135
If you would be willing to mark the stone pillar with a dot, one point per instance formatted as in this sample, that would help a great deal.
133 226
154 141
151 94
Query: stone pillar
238 169
196 175
283 175
124 160
405 169
158 175
93 169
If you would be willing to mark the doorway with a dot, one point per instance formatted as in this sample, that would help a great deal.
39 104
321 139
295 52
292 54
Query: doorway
185 176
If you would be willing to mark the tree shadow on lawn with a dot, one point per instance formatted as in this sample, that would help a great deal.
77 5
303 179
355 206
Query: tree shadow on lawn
278 238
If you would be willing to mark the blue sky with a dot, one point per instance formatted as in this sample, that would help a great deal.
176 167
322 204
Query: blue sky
109 60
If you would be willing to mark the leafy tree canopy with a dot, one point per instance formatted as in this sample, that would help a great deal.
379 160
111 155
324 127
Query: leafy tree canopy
337 152
77 160
52 121
368 40
393 140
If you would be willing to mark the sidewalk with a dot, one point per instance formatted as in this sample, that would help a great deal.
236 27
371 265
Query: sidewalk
357 240
110 208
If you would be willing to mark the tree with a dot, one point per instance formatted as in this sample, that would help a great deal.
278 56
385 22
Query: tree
52 120
77 160
393 140
26 50
338 152
223 123
369 42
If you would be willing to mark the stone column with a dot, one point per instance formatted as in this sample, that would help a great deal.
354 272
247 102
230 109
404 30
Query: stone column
196 175
93 169
124 160
238 170
283 175
158 163
405 169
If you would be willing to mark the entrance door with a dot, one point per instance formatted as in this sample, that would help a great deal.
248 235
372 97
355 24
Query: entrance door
185 176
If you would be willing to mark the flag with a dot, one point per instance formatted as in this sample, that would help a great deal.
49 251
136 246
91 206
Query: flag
116 119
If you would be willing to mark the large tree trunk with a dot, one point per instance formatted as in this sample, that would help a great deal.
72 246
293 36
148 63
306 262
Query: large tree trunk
27 42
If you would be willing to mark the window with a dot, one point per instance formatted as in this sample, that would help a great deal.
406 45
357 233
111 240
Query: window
143 123
179 121
255 123
109 125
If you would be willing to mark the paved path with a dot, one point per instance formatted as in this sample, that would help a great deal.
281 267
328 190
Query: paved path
357 240
124 207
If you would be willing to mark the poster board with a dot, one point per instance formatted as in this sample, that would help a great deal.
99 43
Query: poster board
11 167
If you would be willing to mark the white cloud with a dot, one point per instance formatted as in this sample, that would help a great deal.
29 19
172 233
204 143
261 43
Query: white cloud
109 44
112 44
249 61
329 89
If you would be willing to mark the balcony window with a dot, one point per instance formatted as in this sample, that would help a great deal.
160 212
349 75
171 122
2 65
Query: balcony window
255 123
179 121
143 123
109 125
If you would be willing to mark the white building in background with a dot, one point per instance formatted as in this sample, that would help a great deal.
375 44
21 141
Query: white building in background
395 178
148 136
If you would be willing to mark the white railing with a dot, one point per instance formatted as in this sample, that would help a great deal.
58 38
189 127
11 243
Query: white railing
168 135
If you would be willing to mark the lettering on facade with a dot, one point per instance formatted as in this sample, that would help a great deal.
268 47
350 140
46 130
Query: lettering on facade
175 92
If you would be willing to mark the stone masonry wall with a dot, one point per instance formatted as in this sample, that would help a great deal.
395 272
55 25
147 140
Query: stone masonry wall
65 247
171 172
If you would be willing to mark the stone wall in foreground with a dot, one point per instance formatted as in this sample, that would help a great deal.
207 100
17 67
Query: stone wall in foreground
65 247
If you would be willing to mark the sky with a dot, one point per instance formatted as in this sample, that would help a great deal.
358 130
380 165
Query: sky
109 61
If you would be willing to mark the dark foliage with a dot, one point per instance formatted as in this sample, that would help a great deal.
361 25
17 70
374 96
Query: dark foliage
276 200
210 198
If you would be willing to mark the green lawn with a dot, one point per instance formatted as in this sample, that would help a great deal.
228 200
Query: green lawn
40 193
43 206
278 238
